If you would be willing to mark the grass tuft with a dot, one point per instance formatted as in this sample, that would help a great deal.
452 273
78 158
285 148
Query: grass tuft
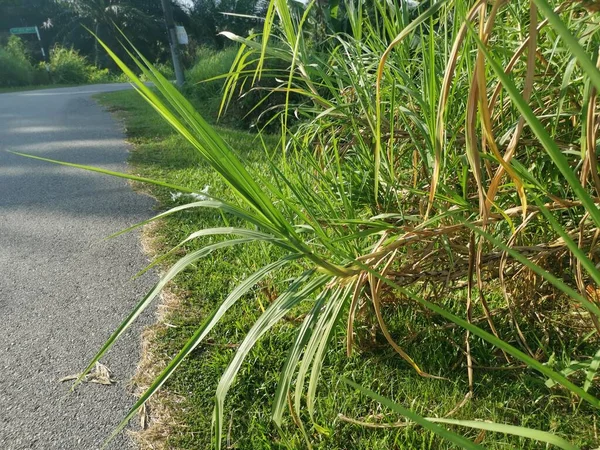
512 395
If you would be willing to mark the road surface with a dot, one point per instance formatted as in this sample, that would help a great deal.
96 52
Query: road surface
63 288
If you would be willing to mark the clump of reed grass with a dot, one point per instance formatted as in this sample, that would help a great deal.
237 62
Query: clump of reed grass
421 153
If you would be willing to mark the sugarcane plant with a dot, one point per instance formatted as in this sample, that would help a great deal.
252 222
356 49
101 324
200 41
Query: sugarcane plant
425 150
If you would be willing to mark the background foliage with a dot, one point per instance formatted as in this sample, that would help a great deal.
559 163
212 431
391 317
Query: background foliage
61 23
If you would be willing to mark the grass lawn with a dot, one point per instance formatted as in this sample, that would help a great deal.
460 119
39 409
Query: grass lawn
515 396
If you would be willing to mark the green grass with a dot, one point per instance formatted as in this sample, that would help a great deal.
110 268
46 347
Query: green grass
515 396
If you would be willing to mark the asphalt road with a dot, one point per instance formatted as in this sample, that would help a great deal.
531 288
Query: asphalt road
63 288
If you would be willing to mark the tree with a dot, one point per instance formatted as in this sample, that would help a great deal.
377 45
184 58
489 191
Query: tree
103 17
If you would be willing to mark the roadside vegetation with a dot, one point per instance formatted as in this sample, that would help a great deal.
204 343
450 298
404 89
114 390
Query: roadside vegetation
73 53
181 416
65 67
417 219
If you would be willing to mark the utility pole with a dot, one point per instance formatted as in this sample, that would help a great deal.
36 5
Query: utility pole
166 5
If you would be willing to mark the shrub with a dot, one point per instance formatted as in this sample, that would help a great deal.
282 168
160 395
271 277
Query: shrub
165 69
41 75
209 64
96 75
16 47
67 66
14 72
15 68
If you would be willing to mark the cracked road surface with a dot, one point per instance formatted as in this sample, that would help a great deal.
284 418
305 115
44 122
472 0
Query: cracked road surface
63 288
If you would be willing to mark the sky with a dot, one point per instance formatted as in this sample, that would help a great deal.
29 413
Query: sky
185 3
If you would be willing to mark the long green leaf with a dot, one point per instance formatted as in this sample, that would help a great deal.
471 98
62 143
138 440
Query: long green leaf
250 234
108 172
311 349
339 300
573 45
180 265
216 204
302 287
443 433
302 337
592 371
201 333
536 435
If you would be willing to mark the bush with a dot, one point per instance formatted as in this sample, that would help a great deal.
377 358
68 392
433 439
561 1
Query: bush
165 69
209 63
67 66
41 75
15 68
16 47
96 75
13 72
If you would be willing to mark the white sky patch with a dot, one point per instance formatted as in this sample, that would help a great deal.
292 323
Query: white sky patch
186 4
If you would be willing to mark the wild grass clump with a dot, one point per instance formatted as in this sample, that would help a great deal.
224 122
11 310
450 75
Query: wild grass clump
407 131
430 161
255 103
204 80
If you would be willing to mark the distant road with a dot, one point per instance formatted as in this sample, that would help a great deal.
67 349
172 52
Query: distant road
63 289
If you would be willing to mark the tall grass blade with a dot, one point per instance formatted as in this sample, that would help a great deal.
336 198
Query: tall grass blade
428 425
405 32
300 290
201 333
179 266
108 172
529 433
